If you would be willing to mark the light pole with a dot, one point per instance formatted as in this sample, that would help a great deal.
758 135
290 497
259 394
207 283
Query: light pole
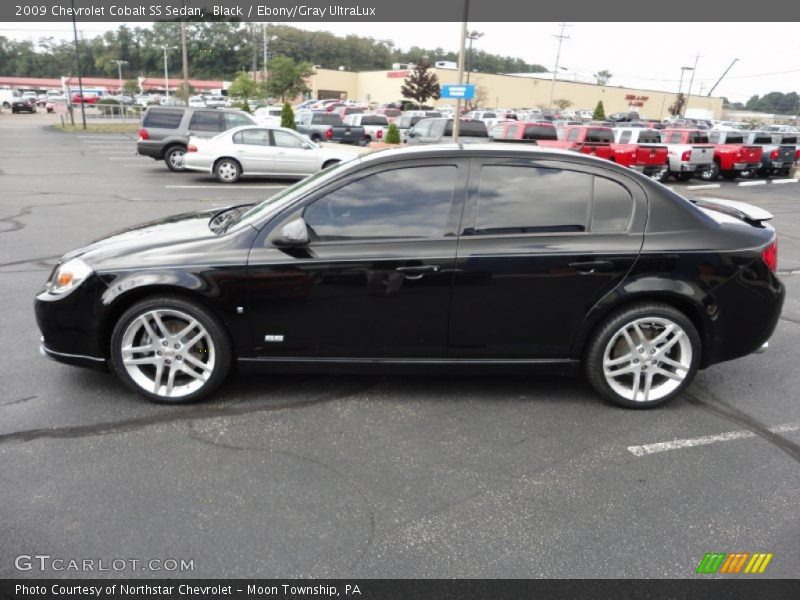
119 72
166 69
267 40
461 53
471 36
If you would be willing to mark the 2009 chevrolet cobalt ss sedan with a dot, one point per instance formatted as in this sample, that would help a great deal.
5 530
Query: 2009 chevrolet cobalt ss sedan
445 257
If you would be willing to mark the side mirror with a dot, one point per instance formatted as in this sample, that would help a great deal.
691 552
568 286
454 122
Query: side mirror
294 233
307 146
412 134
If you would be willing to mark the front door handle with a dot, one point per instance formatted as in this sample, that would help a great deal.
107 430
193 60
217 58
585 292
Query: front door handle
592 266
417 272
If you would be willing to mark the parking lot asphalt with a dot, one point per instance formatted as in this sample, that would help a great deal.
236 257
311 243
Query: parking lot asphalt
367 476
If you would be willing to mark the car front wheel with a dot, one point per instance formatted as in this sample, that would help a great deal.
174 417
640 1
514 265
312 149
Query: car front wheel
643 356
170 350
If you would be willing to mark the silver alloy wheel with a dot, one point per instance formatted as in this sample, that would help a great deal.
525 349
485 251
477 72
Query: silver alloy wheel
227 171
176 158
647 359
168 353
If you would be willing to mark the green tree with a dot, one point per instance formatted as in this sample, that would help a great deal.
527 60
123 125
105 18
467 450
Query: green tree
131 86
421 84
599 113
677 107
287 79
287 116
393 135
243 87
562 103
603 77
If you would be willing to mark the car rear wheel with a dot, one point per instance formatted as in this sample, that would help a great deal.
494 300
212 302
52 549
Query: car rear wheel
730 175
683 177
227 170
174 158
711 173
170 350
643 356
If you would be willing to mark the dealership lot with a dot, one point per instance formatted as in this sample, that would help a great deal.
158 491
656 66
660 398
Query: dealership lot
379 476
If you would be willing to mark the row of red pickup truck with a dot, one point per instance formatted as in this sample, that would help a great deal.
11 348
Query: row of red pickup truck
679 153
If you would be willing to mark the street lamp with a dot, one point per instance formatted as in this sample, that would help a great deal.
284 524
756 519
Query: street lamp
471 36
166 69
119 71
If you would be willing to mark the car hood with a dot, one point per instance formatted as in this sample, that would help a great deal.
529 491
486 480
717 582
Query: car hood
158 237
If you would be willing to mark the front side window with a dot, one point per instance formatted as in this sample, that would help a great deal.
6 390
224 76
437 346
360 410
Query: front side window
519 199
287 140
406 203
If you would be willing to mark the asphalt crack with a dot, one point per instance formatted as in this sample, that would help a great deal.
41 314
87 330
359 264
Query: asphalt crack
730 413
18 401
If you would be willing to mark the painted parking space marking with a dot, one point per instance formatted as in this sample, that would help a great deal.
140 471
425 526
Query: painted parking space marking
705 440
751 183
705 186
216 187
779 181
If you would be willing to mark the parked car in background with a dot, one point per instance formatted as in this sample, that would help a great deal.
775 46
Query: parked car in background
523 131
732 156
343 111
7 96
87 98
197 102
779 151
623 117
268 115
689 152
263 151
404 124
392 114
216 101
52 102
321 126
490 257
375 126
27 105
488 117
165 131
436 131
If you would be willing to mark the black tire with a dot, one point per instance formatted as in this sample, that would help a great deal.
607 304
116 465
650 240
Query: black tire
729 175
710 174
682 177
316 139
227 170
364 141
604 335
173 158
220 348
664 176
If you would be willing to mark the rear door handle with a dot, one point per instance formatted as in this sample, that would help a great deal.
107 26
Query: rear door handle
592 266
417 272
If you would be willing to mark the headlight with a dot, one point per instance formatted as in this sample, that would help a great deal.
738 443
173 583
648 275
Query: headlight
68 276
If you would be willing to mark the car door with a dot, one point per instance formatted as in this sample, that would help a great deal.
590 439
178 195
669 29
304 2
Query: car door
374 281
254 151
542 242
293 155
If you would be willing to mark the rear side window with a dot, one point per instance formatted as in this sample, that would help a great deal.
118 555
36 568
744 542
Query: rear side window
163 119
320 119
539 132
206 121
467 129
674 138
612 206
517 199
374 120
599 135
252 137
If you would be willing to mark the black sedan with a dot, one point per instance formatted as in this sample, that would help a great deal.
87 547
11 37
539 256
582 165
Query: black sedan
23 105
440 258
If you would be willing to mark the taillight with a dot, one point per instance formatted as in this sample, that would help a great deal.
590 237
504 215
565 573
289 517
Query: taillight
329 134
380 134
191 148
686 155
143 135
774 154
770 256
797 154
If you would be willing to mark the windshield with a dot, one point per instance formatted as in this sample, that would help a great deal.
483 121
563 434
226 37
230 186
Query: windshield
261 210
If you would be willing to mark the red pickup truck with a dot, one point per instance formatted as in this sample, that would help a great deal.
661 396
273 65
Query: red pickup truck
731 156
599 141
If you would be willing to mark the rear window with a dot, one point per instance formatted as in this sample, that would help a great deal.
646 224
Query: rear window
734 139
789 139
322 119
762 139
649 137
539 132
600 135
394 112
374 120
467 129
163 119
698 138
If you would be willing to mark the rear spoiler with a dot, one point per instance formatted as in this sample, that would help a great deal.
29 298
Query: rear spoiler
753 215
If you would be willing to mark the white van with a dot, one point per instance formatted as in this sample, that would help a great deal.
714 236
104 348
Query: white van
7 96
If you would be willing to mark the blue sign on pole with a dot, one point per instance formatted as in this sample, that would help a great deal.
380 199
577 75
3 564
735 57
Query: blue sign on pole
464 92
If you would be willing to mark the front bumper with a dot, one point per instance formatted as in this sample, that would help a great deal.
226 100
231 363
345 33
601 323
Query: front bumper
91 362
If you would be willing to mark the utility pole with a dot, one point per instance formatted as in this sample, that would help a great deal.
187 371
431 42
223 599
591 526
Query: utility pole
119 71
254 36
80 71
730 66
471 36
166 70
691 81
462 50
561 37
185 60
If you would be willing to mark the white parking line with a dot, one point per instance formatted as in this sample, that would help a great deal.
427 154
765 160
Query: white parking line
219 187
705 186
728 436
103 142
779 181
749 183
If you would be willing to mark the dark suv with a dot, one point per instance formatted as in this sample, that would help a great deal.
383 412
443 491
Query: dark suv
165 130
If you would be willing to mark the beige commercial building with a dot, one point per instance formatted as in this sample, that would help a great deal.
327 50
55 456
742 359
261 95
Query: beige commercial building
507 91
